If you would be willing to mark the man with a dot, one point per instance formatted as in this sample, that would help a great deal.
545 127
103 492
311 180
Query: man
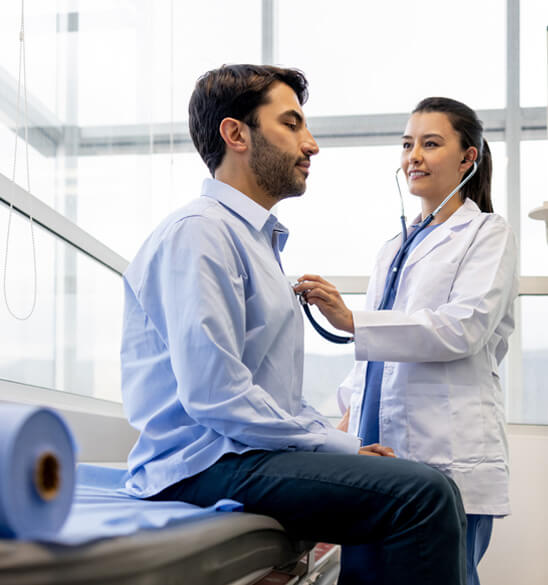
212 355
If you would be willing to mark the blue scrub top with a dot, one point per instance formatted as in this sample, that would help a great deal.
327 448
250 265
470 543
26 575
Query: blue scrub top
368 430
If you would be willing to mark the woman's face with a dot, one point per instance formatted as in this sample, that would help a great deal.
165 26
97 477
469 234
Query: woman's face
432 157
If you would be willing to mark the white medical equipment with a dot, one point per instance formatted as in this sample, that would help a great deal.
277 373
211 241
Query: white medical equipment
542 214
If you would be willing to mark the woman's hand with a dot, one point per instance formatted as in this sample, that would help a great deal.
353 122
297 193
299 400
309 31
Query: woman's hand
377 450
317 291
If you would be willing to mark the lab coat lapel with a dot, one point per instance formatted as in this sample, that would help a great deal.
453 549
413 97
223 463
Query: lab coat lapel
434 239
385 258
444 233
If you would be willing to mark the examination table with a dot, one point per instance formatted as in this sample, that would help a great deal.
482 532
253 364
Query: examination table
224 548
111 537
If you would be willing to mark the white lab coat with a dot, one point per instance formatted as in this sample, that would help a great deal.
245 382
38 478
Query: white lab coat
441 400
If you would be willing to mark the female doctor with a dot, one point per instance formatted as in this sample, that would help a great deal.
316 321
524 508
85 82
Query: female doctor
426 379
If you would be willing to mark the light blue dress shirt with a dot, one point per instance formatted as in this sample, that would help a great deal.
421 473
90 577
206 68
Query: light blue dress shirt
212 348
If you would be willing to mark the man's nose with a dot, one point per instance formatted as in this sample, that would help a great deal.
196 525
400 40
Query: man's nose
309 145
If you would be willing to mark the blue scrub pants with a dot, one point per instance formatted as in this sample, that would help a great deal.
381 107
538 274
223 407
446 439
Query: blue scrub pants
412 510
478 535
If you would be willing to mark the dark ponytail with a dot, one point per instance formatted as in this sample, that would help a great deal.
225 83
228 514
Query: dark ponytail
470 129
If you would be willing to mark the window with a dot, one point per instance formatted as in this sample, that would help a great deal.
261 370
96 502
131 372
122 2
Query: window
121 198
326 364
533 41
534 191
363 58
108 88
114 69
351 207
72 340
530 403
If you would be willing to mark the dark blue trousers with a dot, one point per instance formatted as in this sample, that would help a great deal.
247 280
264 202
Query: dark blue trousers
412 511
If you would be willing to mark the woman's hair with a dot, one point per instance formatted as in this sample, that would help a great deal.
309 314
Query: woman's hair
470 129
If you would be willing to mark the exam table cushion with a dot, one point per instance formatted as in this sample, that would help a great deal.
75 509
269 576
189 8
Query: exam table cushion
211 550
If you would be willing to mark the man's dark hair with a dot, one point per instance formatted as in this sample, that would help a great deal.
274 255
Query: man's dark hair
233 91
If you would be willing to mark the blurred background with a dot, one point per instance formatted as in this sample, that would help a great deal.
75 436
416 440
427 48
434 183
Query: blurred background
108 83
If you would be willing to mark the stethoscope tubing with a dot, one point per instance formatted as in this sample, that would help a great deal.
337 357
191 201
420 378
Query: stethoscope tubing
406 243
408 240
323 332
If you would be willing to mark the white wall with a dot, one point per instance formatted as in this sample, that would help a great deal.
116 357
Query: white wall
518 554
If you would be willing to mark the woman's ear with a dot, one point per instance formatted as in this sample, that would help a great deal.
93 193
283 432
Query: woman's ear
235 134
470 155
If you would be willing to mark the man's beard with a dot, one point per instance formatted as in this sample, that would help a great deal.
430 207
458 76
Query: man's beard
274 169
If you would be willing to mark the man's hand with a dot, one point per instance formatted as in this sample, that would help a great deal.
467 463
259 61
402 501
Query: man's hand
318 291
343 424
377 450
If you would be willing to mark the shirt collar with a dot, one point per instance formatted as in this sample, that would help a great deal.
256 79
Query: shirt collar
237 202
256 215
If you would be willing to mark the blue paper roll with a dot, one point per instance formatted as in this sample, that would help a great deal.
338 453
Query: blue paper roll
37 472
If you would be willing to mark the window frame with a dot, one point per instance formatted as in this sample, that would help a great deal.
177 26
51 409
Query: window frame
512 125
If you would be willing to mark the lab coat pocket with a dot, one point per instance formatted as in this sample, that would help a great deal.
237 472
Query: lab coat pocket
494 420
467 425
429 420
432 283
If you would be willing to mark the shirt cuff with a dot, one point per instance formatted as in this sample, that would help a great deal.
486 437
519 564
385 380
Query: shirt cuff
340 442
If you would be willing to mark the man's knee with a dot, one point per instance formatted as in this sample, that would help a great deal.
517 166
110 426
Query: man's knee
439 499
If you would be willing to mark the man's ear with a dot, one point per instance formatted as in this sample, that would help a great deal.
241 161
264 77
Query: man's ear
235 134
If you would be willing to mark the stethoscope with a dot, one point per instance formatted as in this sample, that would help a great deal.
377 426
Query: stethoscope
398 261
